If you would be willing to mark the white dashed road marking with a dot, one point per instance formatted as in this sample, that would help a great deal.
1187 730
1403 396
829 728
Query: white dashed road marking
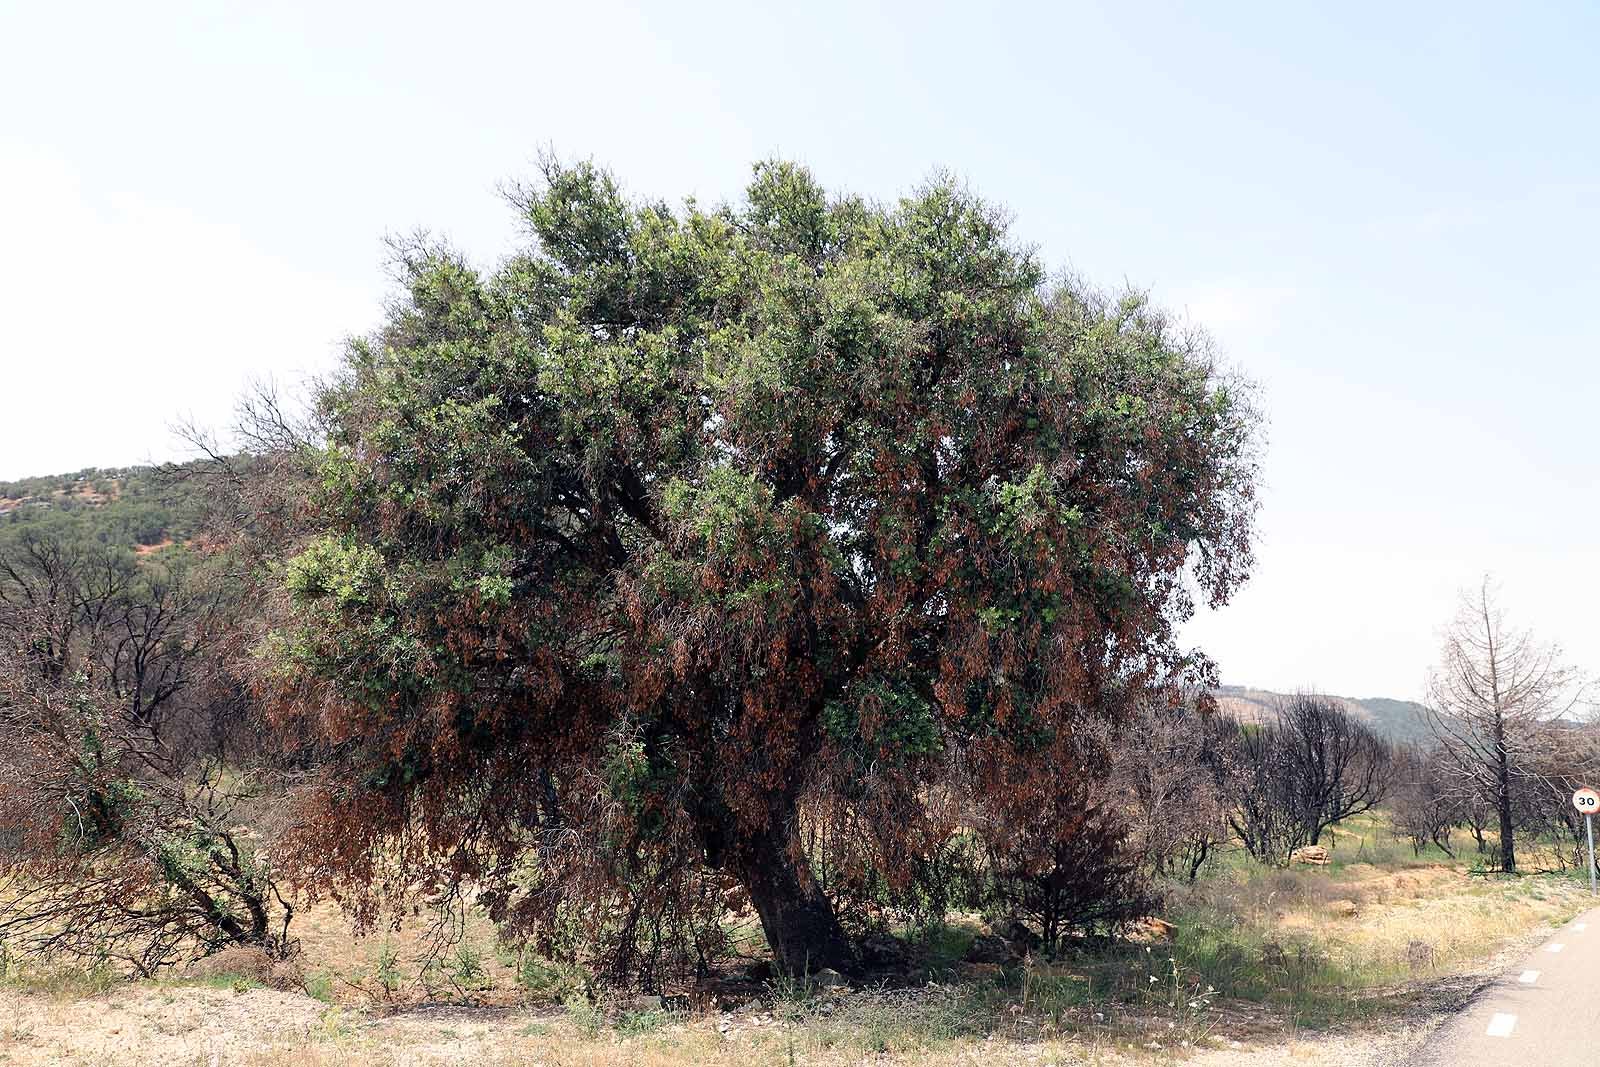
1539 1012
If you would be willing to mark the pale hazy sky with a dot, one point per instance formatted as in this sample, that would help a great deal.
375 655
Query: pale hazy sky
1385 213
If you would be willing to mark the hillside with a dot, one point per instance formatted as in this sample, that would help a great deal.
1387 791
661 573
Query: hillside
134 508
1396 720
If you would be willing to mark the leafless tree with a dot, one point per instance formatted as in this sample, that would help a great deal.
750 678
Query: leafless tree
254 477
123 828
1262 794
1496 694
1423 806
1564 757
1476 815
1168 766
1058 882
1309 768
1338 766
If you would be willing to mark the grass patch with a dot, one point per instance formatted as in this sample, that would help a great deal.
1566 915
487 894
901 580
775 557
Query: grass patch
1324 943
639 1023
1304 946
888 1021
59 982
944 945
319 986
238 983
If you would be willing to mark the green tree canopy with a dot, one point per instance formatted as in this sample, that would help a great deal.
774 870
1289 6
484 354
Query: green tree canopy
619 551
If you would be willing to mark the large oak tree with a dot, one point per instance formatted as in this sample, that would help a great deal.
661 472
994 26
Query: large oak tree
619 549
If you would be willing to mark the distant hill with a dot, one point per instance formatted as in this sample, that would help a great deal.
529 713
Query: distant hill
140 509
1396 720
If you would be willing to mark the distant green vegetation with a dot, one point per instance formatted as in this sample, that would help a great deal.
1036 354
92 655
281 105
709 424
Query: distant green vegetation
130 507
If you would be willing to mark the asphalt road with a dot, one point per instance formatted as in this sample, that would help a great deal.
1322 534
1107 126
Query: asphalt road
1543 1013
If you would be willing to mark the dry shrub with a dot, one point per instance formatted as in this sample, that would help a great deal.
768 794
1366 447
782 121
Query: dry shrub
251 964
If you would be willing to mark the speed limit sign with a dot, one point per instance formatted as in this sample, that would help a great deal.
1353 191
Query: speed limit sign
1587 801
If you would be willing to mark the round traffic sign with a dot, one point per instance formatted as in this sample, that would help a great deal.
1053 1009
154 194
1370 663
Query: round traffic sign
1586 800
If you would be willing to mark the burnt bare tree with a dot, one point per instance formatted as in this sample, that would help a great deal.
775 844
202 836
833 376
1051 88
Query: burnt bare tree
1496 693
1564 758
1288 780
1338 767
1424 808
1170 767
124 827
1059 882
1263 804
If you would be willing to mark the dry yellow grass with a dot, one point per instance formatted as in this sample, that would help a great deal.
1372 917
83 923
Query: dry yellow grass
1459 917
214 1028
1335 945
346 968
258 1028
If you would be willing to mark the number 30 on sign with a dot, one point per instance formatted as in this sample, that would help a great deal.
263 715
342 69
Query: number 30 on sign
1586 801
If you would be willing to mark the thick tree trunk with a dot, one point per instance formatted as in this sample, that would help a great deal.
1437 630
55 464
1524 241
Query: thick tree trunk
801 928
1508 847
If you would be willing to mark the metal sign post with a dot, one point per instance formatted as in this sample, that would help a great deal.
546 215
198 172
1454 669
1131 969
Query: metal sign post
1587 801
1588 824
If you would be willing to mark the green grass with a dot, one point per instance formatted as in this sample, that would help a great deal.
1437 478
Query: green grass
319 986
943 945
239 983
639 1023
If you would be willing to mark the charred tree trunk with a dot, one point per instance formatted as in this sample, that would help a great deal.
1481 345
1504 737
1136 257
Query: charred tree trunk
796 917
1508 847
